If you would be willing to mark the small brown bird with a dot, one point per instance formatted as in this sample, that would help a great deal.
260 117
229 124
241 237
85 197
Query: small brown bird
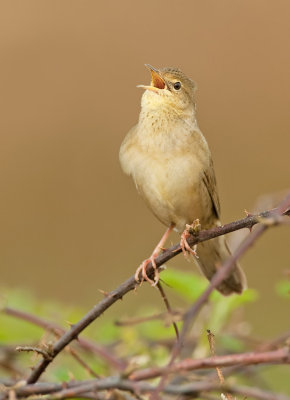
171 165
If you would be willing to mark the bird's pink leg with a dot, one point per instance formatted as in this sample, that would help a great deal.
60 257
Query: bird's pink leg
189 230
143 267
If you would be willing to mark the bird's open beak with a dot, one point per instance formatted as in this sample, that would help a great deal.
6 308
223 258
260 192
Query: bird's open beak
157 81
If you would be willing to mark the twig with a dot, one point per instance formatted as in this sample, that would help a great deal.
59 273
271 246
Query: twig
45 354
7 358
82 362
130 284
220 375
58 331
269 357
223 272
273 344
211 342
139 320
167 305
257 393
73 389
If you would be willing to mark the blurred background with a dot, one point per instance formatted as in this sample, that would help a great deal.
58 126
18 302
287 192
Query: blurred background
71 222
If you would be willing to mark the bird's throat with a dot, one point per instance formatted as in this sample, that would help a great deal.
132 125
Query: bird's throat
162 129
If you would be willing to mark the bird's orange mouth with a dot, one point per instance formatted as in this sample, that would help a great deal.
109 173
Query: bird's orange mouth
157 82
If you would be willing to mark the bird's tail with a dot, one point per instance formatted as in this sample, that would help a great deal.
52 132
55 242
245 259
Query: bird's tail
212 254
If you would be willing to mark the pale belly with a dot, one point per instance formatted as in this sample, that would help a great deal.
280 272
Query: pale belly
173 189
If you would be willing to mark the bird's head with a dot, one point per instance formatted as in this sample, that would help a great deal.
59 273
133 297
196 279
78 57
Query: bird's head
169 88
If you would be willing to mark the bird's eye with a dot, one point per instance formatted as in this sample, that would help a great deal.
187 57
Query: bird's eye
177 85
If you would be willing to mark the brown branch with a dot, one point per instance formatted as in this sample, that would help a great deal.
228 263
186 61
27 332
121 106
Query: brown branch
7 361
167 305
269 357
211 342
273 344
248 392
268 219
54 328
130 284
74 389
45 354
177 315
82 362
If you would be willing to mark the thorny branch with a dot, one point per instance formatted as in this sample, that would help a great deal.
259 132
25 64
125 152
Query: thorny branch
269 357
74 389
167 305
58 331
45 354
134 384
265 218
268 219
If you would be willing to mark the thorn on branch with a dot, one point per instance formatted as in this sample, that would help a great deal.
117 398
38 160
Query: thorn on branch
248 214
103 292
191 314
45 354
70 324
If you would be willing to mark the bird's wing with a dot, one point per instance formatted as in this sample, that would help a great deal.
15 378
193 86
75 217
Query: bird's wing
127 152
209 181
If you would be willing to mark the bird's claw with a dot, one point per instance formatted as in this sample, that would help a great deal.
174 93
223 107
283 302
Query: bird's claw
143 270
192 229
185 246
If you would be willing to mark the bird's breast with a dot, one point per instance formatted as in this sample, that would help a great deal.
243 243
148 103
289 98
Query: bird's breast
169 184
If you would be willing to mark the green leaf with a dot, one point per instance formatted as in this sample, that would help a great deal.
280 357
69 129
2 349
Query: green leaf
231 343
283 289
157 330
223 307
188 285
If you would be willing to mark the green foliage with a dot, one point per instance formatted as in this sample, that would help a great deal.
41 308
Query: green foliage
224 307
190 286
12 329
231 343
283 289
142 343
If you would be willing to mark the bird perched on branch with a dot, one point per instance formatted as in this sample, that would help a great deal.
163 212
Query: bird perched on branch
171 165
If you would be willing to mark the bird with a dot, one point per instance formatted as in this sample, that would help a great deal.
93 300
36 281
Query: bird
170 162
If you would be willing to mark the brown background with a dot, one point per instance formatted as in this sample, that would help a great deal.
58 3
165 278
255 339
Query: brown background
71 222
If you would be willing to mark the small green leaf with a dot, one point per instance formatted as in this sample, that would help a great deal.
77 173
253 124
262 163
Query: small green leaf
61 374
188 285
223 307
157 330
231 344
283 289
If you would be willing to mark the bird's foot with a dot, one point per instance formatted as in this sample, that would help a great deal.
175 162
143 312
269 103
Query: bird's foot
192 229
143 270
143 267
185 246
